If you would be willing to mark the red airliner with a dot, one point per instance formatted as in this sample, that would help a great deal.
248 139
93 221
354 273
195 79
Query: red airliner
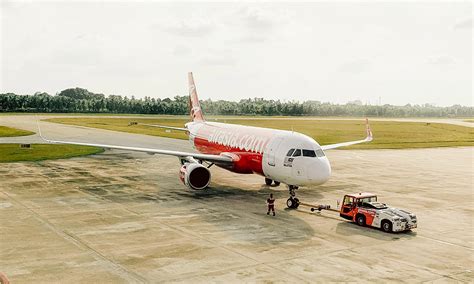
280 156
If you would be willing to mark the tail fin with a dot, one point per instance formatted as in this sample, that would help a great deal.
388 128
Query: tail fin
195 107
369 131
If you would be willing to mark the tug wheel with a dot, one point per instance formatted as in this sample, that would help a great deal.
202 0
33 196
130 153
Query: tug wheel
387 226
360 220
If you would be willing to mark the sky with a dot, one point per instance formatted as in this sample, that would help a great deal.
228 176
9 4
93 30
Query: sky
376 52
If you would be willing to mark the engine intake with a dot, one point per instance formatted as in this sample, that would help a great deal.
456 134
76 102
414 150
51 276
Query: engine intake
195 176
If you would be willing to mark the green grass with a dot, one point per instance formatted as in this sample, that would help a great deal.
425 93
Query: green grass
12 132
38 152
388 134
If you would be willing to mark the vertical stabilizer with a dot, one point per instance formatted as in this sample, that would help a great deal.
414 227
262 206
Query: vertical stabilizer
195 108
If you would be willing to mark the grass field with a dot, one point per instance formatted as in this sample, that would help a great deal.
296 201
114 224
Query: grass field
38 152
388 135
12 132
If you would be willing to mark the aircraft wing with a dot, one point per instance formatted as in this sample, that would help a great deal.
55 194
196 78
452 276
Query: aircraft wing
344 144
220 159
206 157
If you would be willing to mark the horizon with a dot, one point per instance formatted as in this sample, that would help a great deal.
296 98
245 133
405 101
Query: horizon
335 52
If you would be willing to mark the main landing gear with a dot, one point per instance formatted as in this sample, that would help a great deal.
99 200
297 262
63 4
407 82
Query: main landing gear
269 182
292 202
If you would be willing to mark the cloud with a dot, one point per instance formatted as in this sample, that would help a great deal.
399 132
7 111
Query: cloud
356 66
181 50
442 60
257 19
77 57
463 24
253 39
217 60
195 27
258 23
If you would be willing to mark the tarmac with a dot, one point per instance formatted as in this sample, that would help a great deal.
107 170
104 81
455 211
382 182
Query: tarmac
121 217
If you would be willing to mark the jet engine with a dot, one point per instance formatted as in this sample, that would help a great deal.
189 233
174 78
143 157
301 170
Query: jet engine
195 176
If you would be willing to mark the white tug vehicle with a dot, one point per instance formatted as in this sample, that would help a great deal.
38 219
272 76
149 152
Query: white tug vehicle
364 209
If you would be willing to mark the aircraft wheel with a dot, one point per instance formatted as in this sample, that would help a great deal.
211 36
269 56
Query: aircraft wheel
268 181
292 203
297 202
289 202
277 183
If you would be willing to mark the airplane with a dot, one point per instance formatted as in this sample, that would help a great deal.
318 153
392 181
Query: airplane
280 156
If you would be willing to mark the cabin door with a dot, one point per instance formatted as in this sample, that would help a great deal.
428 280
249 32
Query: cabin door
272 150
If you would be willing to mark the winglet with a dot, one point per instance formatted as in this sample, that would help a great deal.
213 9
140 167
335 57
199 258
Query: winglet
368 138
369 131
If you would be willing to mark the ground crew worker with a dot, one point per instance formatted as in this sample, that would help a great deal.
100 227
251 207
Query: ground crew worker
271 204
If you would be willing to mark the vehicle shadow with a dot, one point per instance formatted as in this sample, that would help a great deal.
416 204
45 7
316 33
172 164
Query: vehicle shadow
350 228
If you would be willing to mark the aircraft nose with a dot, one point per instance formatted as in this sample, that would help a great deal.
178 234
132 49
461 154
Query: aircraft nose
320 171
327 167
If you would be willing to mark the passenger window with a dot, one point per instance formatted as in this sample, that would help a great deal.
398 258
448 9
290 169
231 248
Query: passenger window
290 152
297 153
309 153
320 153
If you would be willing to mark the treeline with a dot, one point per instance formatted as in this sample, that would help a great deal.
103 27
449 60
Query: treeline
82 101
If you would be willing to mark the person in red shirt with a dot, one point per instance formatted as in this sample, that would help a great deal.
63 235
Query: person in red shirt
271 204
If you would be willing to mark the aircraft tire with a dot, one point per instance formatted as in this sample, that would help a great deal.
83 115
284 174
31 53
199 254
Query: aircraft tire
297 202
268 181
277 183
292 203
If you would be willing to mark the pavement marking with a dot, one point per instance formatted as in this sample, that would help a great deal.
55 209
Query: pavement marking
122 271
446 243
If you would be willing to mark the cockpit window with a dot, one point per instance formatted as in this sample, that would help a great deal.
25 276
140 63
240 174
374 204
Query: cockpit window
297 153
290 152
320 153
309 153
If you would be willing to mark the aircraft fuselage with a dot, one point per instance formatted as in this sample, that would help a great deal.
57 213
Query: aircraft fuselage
285 156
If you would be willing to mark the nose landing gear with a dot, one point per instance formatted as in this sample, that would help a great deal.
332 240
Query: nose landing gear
292 202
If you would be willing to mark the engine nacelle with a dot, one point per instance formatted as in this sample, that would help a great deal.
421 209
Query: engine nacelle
195 175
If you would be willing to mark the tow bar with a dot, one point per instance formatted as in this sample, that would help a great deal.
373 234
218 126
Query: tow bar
319 207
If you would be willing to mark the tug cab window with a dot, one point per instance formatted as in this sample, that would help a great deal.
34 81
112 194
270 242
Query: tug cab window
347 204
290 152
309 153
297 153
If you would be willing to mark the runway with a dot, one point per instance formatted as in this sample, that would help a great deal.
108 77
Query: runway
124 217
